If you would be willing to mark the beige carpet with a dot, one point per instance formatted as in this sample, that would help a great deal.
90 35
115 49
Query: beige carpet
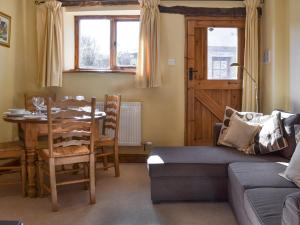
120 201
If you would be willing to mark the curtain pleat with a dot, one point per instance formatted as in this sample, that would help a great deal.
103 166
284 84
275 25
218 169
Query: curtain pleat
251 57
50 43
148 63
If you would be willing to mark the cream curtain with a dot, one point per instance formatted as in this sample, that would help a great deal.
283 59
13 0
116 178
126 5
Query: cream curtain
251 56
50 43
148 63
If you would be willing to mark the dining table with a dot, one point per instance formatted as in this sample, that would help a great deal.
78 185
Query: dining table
32 129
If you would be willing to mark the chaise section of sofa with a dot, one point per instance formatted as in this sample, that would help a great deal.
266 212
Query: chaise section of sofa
194 173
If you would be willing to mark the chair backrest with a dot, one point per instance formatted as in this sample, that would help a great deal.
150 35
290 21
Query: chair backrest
28 100
112 105
72 125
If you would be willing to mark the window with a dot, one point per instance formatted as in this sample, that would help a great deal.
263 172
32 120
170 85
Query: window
220 67
106 43
222 51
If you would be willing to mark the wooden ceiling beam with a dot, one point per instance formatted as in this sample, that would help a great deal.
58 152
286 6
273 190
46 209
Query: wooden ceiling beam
202 11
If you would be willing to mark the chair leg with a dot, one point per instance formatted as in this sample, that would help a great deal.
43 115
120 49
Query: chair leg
92 183
23 174
86 175
53 184
116 159
41 176
105 160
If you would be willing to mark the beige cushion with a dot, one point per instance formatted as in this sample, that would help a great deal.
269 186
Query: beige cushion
292 172
246 116
240 134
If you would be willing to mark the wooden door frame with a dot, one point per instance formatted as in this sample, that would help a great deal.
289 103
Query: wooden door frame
200 18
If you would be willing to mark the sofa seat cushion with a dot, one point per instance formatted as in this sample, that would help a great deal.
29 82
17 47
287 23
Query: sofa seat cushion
264 205
198 161
256 174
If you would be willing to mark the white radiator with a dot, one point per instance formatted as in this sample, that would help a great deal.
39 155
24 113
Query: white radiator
130 130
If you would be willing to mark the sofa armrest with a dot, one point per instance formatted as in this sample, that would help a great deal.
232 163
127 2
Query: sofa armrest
216 132
291 210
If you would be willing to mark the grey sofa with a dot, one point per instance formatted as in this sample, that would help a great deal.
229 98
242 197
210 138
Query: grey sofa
251 184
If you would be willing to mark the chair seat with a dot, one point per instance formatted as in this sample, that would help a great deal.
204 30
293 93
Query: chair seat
104 140
67 151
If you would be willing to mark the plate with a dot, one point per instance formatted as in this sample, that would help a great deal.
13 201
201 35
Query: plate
17 110
35 116
21 114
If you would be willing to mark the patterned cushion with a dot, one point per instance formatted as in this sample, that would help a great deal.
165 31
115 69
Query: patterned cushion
290 123
246 116
297 133
271 137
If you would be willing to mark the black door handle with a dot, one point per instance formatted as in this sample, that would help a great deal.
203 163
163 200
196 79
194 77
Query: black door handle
191 73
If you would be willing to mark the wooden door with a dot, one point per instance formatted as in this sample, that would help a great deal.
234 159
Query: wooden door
212 44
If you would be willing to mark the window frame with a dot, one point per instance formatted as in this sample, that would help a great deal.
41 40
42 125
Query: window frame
220 59
237 24
113 43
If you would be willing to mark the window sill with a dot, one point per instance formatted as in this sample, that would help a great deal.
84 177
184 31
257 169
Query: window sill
125 71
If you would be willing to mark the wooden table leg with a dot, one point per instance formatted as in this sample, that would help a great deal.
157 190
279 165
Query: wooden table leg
30 139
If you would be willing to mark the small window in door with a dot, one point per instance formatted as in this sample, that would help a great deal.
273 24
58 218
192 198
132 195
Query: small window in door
222 50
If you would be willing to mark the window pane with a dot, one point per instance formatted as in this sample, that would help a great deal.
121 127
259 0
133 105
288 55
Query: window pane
127 43
222 51
94 44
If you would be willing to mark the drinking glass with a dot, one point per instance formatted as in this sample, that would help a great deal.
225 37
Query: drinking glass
38 103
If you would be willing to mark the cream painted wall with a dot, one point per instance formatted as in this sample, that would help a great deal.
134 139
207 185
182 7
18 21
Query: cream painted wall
275 75
11 64
294 48
280 78
164 107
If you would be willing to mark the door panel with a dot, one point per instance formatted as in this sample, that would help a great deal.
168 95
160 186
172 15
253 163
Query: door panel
207 98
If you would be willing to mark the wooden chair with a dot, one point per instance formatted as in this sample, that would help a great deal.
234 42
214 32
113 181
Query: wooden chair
112 107
71 141
13 151
28 100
